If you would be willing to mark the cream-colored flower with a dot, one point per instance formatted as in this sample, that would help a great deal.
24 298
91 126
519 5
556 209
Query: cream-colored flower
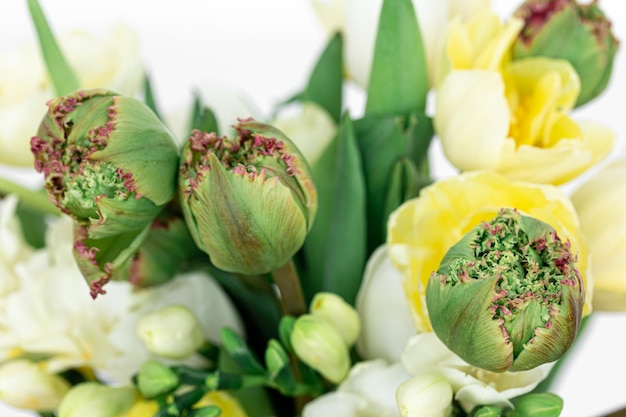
368 391
601 204
511 117
422 230
340 314
425 395
311 129
472 386
112 63
52 313
26 384
331 14
385 316
172 332
14 247
198 292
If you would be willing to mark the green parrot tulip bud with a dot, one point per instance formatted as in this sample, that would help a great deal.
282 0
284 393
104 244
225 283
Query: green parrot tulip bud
578 33
148 257
508 295
250 201
108 161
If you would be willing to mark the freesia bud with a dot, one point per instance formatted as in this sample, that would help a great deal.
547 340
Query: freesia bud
108 161
425 395
578 33
318 344
508 295
249 201
337 312
95 400
172 332
25 384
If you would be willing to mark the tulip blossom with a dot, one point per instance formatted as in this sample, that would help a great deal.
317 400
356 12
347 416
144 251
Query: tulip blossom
512 116
422 230
26 384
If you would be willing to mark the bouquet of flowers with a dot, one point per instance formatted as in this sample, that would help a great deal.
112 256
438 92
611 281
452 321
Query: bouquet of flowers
312 263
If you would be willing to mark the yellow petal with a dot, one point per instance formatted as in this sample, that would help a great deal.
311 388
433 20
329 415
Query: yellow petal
472 118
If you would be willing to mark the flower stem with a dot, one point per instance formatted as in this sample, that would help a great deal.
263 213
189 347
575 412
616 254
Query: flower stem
35 200
288 282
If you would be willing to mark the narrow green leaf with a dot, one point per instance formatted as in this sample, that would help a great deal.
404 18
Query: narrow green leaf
399 79
149 98
486 411
239 352
335 249
324 87
202 117
285 328
36 201
404 184
61 74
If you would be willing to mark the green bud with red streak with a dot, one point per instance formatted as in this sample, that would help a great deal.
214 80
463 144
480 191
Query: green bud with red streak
578 33
249 201
507 296
108 161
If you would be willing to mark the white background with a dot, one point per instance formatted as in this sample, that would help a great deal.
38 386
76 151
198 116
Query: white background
265 49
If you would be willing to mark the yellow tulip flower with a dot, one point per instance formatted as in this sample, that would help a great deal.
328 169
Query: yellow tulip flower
511 116
600 205
422 230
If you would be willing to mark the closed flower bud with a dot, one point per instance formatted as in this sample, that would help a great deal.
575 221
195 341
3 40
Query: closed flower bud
249 201
425 395
145 258
337 312
95 400
318 344
508 295
108 161
564 29
25 384
172 332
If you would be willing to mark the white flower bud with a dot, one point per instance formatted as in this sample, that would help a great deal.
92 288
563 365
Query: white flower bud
172 332
25 384
318 344
95 400
425 395
340 314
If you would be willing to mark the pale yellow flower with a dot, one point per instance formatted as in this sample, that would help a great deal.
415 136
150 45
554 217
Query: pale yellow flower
113 63
228 404
511 117
422 230
601 204
425 395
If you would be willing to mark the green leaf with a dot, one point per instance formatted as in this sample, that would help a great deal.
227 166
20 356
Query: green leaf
382 141
37 201
155 378
285 328
149 98
335 249
33 225
537 405
202 117
239 352
324 87
61 74
405 182
399 79
208 411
